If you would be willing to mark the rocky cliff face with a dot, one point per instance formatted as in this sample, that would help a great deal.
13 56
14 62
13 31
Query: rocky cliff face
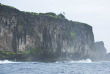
21 31
107 57
100 51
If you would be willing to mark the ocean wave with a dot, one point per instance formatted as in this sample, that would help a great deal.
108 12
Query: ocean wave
6 61
80 61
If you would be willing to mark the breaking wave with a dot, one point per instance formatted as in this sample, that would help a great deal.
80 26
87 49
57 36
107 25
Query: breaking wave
6 61
80 61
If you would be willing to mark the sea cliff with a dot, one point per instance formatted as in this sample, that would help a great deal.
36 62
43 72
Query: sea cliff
29 36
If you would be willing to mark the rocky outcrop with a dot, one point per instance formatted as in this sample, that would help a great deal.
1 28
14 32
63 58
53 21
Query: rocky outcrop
100 51
107 57
47 33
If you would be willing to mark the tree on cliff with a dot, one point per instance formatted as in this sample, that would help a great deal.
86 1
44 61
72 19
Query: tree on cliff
61 15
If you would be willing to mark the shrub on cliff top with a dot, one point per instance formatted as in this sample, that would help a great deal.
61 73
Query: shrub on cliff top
32 13
51 14
8 6
61 16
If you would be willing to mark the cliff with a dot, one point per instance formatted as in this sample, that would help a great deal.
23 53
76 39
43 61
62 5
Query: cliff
107 57
49 36
100 51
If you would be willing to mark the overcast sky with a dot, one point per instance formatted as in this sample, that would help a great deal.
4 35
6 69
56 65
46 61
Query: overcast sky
93 12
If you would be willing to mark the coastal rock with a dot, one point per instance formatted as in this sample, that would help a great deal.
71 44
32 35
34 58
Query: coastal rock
67 40
100 51
107 57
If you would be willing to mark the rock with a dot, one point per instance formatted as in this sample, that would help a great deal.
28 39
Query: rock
24 31
107 57
100 51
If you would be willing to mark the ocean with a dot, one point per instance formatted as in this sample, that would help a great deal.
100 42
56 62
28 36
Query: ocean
66 67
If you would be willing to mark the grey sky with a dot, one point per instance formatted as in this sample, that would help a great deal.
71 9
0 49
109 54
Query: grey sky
93 12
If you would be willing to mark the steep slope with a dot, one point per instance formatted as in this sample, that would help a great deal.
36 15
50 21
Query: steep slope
46 33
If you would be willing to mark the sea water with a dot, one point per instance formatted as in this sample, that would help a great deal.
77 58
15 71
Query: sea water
66 67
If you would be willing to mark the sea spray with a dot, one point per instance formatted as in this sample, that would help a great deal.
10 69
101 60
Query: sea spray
80 61
7 61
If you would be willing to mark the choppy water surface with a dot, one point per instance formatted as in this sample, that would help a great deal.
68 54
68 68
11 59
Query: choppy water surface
7 67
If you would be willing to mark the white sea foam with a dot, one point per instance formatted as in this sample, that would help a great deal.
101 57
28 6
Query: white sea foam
82 61
53 68
6 61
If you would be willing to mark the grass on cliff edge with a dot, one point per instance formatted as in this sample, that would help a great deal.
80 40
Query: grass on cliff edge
50 14
8 6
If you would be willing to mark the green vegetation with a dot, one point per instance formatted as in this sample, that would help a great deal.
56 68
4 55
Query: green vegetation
51 14
71 21
41 13
8 6
32 13
61 16
20 28
9 55
76 22
72 34
40 54
24 22
4 54
31 52
19 56
29 55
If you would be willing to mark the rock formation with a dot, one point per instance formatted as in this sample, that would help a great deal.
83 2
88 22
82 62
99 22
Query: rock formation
48 34
100 51
107 57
